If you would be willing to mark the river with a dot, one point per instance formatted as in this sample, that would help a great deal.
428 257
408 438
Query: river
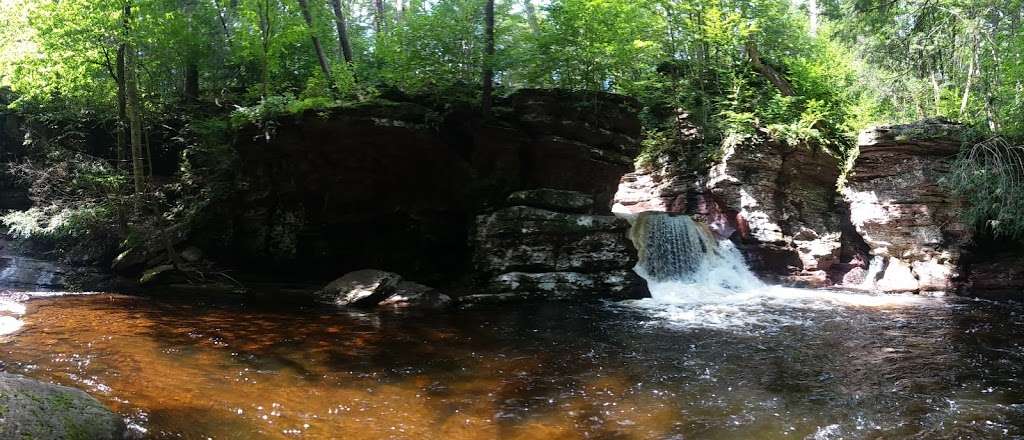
766 364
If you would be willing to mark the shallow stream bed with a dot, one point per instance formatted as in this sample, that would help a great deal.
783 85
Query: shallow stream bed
782 364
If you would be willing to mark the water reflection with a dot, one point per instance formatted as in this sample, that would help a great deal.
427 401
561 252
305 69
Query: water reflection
201 368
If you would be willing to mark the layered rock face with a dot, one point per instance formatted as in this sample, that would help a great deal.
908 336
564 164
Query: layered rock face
906 220
397 185
779 204
781 201
548 245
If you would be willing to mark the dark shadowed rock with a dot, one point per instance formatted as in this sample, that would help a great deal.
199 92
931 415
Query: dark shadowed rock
558 200
156 274
415 295
130 261
34 410
997 275
414 175
612 284
364 288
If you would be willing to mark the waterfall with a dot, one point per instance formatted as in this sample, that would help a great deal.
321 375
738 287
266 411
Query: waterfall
875 269
699 281
679 256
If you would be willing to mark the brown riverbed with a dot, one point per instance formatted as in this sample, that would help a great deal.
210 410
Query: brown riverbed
199 368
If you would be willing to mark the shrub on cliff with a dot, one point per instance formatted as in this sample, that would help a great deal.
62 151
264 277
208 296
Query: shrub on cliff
989 176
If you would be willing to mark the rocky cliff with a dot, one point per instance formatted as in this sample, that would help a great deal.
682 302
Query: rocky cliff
898 207
399 186
894 228
778 203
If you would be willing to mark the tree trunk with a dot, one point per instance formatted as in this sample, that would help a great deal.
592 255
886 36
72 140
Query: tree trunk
339 20
325 67
266 33
488 72
191 93
190 89
936 91
774 77
531 17
122 110
378 18
971 72
814 17
132 106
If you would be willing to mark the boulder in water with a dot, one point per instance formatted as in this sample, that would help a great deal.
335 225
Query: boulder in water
34 410
898 277
363 288
410 294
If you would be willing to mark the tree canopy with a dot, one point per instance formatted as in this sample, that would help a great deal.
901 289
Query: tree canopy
807 72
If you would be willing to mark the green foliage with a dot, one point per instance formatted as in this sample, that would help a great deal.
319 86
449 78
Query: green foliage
865 63
950 58
275 107
598 45
989 175
77 210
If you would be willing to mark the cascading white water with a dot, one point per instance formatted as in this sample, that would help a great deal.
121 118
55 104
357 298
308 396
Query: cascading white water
697 280
680 256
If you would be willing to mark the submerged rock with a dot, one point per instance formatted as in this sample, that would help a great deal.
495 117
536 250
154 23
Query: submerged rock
34 410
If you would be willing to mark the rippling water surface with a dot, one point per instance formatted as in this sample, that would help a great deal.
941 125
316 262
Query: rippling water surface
779 363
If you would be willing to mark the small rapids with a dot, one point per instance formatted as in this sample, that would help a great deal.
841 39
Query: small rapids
699 281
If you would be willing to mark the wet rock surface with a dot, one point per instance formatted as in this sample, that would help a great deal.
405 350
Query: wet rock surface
34 410
408 294
370 288
784 202
363 288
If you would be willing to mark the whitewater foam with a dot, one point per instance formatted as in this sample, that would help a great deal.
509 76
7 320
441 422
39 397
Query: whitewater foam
698 281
